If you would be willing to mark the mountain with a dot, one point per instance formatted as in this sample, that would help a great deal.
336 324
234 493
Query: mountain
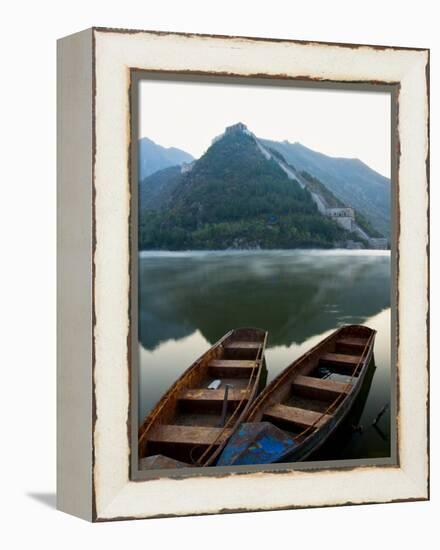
237 195
350 180
154 157
156 190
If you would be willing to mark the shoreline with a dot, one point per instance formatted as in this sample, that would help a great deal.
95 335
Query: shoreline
268 251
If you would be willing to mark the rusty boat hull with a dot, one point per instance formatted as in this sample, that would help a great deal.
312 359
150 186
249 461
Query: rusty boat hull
300 409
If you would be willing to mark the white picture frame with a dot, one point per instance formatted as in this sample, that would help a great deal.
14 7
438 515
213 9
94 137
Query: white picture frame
95 277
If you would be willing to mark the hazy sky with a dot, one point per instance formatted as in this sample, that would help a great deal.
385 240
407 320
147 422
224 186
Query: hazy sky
337 123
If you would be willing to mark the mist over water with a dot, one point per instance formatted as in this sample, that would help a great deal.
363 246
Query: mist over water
189 300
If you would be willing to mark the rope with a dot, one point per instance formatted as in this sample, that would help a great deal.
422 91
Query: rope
211 445
229 421
256 363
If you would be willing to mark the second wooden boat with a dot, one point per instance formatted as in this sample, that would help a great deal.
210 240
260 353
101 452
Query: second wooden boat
192 422
302 407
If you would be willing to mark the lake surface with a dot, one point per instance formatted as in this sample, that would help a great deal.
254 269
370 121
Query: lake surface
189 300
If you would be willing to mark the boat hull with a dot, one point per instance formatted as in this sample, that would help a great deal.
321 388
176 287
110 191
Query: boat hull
317 440
194 419
304 404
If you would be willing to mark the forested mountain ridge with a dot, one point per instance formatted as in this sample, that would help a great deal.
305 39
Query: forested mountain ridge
236 195
350 180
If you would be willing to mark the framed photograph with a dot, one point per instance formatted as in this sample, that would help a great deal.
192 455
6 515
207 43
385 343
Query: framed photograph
243 274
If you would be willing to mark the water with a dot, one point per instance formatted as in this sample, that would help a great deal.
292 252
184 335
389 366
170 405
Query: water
188 300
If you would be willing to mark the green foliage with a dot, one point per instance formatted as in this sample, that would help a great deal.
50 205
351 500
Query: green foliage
316 186
277 154
235 198
290 231
156 190
366 225
350 180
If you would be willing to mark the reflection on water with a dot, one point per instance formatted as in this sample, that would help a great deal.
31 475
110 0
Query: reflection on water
188 300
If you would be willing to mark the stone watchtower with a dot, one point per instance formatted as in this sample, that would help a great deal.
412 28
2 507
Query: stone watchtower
239 127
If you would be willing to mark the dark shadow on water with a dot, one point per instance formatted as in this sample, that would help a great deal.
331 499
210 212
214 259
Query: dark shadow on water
48 499
292 294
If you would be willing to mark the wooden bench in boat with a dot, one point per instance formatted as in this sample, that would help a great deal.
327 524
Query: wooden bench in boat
230 367
188 435
357 342
319 388
243 345
345 363
201 394
301 417
350 345
241 349
198 399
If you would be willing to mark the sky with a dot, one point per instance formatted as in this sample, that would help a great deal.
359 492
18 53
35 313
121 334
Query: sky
338 123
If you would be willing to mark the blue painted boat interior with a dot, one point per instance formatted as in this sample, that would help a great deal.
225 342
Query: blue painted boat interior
256 443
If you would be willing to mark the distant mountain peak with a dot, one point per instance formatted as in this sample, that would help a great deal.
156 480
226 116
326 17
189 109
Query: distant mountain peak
154 157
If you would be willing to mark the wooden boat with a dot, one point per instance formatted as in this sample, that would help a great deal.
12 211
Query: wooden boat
303 406
192 422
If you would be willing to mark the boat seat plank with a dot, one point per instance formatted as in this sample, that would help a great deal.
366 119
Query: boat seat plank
352 341
301 417
232 363
340 358
188 435
213 395
242 345
231 368
319 387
